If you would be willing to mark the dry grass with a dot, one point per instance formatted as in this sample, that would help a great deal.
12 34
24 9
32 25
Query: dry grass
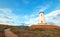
33 32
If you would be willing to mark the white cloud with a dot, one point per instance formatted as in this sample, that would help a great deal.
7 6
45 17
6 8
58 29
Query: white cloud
53 17
7 17
5 10
31 20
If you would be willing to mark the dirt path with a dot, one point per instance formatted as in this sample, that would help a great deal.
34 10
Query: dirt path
8 33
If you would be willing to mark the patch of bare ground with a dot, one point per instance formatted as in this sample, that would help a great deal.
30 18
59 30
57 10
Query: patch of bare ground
8 33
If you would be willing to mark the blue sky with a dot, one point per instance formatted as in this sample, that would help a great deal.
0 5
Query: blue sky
27 7
21 11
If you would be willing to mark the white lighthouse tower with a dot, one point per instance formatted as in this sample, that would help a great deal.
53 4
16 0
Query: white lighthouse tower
41 18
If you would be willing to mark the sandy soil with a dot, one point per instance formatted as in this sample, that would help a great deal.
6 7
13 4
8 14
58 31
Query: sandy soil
8 33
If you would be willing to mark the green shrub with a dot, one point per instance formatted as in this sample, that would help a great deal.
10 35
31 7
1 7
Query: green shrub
15 30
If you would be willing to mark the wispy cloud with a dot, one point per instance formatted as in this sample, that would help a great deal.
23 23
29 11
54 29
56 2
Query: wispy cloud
53 17
42 8
7 17
26 1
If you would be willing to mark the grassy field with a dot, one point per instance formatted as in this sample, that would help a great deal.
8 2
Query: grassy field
38 32
27 32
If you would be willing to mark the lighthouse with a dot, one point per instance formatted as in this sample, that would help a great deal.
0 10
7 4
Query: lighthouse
41 20
42 23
